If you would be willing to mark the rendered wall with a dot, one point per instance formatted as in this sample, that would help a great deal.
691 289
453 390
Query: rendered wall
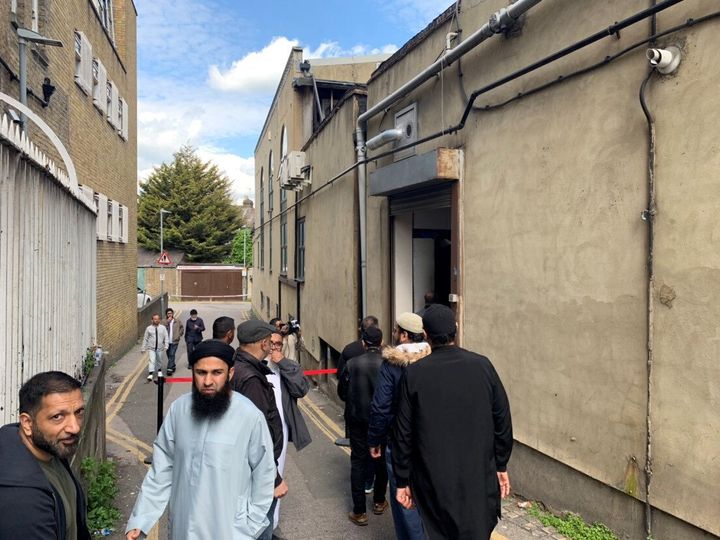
329 294
554 267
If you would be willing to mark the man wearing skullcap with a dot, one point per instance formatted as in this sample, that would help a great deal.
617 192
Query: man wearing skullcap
452 406
410 346
212 460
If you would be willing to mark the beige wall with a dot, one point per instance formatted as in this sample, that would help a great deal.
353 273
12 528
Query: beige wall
293 108
329 294
555 251
103 160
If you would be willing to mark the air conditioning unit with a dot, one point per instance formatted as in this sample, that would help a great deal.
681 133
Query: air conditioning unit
291 171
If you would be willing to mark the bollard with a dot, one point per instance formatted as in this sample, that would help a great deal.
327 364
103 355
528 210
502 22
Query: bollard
160 385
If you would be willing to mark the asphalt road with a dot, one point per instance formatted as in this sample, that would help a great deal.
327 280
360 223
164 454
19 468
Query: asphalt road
318 501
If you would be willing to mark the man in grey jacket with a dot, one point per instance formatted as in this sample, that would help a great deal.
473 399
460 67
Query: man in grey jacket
155 342
289 384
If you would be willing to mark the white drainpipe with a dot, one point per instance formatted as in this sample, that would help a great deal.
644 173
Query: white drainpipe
498 23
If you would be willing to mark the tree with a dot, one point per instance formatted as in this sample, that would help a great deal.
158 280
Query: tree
203 219
242 252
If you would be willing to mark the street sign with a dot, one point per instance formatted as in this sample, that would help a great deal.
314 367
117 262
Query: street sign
164 259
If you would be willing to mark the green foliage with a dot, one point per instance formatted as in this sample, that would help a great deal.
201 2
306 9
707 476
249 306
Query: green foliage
242 249
101 480
89 362
573 526
203 218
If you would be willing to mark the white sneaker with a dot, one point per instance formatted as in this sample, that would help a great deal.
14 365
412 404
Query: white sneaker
149 377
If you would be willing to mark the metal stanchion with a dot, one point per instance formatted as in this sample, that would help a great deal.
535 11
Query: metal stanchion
160 385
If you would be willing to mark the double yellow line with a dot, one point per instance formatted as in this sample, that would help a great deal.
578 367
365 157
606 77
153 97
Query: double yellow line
323 422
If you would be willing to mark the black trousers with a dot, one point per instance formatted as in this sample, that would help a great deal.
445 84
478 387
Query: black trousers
359 462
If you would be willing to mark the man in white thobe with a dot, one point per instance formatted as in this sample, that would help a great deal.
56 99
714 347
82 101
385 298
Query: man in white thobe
212 460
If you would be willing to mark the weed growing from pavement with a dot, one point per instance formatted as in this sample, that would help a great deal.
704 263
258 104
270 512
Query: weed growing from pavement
573 526
101 480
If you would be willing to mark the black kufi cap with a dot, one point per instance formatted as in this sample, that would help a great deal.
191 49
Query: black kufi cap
439 320
213 347
373 336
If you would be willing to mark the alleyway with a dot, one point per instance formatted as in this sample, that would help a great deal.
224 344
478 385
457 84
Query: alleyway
318 477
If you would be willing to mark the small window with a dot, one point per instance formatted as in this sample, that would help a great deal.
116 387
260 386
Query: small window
300 249
270 245
105 11
100 86
283 245
113 99
109 220
121 221
120 112
83 63
124 120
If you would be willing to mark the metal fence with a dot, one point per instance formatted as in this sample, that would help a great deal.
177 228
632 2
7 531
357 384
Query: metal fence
47 269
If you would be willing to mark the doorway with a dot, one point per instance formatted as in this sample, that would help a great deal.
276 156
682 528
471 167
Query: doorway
421 250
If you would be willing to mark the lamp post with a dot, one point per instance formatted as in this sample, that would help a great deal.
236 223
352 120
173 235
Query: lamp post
26 36
162 271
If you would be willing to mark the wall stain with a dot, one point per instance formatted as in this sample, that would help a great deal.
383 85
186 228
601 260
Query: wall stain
667 295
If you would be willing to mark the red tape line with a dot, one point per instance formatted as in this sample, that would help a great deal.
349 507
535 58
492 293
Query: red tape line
309 373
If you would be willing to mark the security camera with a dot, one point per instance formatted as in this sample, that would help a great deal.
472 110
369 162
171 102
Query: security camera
664 60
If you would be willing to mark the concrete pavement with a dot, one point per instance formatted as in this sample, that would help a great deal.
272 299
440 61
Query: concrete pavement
318 477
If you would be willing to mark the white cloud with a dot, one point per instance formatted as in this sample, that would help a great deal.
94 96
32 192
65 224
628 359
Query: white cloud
220 113
257 71
240 170
260 71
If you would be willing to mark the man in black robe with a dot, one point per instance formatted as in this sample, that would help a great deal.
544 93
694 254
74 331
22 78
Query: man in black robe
453 436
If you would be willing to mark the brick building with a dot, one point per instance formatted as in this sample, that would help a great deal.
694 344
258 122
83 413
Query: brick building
93 111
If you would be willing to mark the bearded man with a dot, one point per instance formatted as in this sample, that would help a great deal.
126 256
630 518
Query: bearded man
212 460
39 495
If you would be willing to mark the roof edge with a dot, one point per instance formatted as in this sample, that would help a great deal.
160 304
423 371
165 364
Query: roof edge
414 42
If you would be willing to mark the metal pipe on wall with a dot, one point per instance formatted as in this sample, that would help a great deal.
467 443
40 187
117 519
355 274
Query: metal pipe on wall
498 22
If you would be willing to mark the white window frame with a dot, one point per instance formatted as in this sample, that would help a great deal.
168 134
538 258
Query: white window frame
110 220
112 113
116 233
124 223
101 207
99 86
83 63
124 121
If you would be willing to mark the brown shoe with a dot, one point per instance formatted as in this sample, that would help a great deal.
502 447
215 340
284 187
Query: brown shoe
358 519
379 508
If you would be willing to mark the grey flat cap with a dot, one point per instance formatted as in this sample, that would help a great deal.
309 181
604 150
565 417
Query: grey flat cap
254 330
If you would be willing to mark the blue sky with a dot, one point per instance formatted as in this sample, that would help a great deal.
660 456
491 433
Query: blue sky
208 69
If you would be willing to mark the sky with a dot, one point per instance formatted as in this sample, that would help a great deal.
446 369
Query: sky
208 69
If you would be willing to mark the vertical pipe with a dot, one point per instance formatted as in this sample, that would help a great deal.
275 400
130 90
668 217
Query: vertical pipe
649 216
362 210
22 50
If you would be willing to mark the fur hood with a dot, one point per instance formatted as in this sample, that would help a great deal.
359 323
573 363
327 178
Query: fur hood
402 358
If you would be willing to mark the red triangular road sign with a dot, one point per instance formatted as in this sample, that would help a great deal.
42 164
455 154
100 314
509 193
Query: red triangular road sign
164 258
